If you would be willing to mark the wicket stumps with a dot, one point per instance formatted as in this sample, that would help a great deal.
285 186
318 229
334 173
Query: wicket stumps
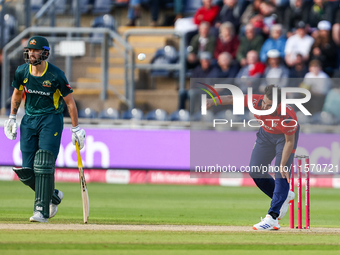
299 193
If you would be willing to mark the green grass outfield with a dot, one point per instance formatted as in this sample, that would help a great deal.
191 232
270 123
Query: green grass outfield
159 205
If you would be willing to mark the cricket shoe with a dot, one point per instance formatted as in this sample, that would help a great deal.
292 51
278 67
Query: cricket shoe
54 207
268 223
284 207
38 217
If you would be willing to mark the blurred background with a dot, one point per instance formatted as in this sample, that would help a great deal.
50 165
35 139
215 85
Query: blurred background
138 113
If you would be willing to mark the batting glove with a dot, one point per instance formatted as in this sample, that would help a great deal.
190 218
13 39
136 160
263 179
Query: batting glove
11 127
79 136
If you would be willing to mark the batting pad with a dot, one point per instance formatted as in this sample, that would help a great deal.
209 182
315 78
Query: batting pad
44 165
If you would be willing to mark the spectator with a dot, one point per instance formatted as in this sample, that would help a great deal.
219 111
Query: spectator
251 11
316 13
230 12
228 68
179 8
324 48
332 101
276 72
297 72
336 29
319 83
296 12
300 43
199 43
205 69
265 19
253 69
249 42
207 12
134 10
276 41
227 40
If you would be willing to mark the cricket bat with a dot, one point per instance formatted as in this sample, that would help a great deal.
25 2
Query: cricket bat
84 193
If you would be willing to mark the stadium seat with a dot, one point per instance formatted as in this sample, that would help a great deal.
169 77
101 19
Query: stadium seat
10 28
180 115
85 5
302 118
106 21
109 113
209 117
157 114
36 5
228 115
133 114
323 118
102 6
87 113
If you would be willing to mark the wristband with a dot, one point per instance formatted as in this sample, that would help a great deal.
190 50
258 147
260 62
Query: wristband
75 129
12 116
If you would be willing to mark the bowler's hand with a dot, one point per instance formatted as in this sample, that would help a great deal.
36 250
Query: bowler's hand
11 127
79 136
284 173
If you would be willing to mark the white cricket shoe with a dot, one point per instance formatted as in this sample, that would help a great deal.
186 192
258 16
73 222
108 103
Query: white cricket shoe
284 207
53 207
268 223
38 217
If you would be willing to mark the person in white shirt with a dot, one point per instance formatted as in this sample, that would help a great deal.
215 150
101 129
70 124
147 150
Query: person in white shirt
319 84
300 43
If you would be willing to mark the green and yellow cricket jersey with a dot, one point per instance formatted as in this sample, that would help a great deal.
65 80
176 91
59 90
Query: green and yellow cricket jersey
44 93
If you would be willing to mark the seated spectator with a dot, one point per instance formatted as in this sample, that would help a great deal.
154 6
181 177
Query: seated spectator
324 48
205 69
230 12
200 43
276 41
207 12
276 72
300 43
319 84
134 10
249 42
265 19
332 101
296 12
227 40
251 11
253 69
336 29
228 67
316 13
297 72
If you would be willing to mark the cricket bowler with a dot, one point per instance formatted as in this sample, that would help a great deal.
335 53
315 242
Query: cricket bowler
276 138
45 87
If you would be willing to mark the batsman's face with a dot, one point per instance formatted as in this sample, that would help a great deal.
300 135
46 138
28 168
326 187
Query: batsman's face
34 54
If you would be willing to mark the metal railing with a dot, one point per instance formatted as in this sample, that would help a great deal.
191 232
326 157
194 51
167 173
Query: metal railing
107 34
179 66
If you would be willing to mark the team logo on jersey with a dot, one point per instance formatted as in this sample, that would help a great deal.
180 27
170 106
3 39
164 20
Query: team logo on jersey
33 42
25 80
47 84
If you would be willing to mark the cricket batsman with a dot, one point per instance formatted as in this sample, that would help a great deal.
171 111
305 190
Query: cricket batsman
277 138
45 87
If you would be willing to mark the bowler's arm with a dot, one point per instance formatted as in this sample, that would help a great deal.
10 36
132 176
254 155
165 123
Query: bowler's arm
72 109
224 99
